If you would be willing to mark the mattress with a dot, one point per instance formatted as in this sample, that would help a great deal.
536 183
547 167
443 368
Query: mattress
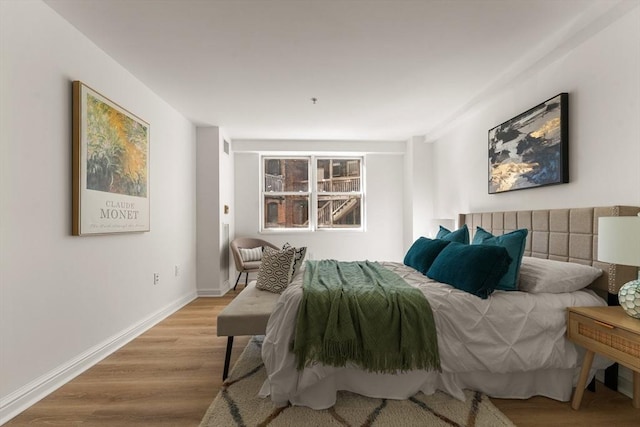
510 345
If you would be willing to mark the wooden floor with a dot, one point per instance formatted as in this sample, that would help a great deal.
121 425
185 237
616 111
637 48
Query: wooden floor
169 375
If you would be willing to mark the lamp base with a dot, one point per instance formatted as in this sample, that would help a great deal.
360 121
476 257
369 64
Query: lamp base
629 298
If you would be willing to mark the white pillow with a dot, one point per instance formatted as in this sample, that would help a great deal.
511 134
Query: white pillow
548 276
253 254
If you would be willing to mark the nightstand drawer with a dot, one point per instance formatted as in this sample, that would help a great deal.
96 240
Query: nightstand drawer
606 339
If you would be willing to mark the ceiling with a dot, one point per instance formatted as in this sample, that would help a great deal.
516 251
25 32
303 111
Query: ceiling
380 70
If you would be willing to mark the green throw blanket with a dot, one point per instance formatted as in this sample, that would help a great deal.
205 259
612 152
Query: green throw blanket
363 313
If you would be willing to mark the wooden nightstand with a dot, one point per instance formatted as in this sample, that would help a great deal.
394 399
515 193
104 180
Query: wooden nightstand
608 331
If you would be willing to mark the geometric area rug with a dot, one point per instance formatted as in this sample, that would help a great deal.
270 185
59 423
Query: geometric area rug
238 404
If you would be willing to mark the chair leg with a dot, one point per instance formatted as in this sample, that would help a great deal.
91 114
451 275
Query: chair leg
239 275
227 358
246 280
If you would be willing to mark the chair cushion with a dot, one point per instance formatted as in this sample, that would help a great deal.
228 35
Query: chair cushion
252 265
251 254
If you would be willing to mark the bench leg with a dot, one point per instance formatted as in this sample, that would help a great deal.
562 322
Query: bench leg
227 358
239 275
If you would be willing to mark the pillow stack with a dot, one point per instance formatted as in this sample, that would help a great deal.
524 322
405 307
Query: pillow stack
423 252
471 268
488 263
461 235
278 267
514 242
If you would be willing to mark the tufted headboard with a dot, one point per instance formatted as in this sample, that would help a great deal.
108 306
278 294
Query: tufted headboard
561 234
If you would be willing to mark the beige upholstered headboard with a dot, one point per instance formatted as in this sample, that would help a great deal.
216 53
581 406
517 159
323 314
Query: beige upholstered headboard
560 234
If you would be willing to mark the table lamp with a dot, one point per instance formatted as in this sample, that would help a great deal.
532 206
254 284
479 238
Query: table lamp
619 243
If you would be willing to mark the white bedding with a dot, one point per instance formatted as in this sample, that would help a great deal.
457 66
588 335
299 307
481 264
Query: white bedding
504 346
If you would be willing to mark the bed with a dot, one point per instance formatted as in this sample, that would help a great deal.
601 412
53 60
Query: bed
510 345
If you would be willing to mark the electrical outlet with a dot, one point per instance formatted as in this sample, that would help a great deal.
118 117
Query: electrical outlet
156 278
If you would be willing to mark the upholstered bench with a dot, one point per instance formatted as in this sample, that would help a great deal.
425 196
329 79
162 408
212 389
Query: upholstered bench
247 314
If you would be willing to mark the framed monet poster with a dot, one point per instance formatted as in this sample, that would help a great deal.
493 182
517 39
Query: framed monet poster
110 166
531 149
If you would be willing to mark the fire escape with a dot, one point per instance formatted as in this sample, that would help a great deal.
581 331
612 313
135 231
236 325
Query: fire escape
338 190
332 210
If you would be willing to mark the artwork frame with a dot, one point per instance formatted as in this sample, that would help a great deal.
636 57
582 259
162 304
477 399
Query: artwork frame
540 138
110 166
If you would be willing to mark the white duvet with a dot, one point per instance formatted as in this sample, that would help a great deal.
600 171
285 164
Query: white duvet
492 345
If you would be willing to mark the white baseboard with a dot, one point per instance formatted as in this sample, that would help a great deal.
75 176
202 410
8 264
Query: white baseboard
211 292
206 293
21 399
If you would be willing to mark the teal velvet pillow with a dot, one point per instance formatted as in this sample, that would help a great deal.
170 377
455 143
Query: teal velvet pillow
476 269
423 252
461 235
514 243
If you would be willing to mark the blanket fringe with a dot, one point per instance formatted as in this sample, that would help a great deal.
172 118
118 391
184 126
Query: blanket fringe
340 353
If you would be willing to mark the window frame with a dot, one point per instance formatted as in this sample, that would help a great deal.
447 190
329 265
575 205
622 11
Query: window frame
312 192
264 194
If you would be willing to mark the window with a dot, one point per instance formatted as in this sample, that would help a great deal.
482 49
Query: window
339 196
312 192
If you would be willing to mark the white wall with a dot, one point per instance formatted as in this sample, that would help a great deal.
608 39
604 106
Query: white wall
67 301
602 76
227 197
383 238
419 197
214 170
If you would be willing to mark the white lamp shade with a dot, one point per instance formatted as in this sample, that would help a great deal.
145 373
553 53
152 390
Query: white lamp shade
619 240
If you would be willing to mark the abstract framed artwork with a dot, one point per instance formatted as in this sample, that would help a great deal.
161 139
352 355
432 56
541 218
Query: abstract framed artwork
110 166
531 149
